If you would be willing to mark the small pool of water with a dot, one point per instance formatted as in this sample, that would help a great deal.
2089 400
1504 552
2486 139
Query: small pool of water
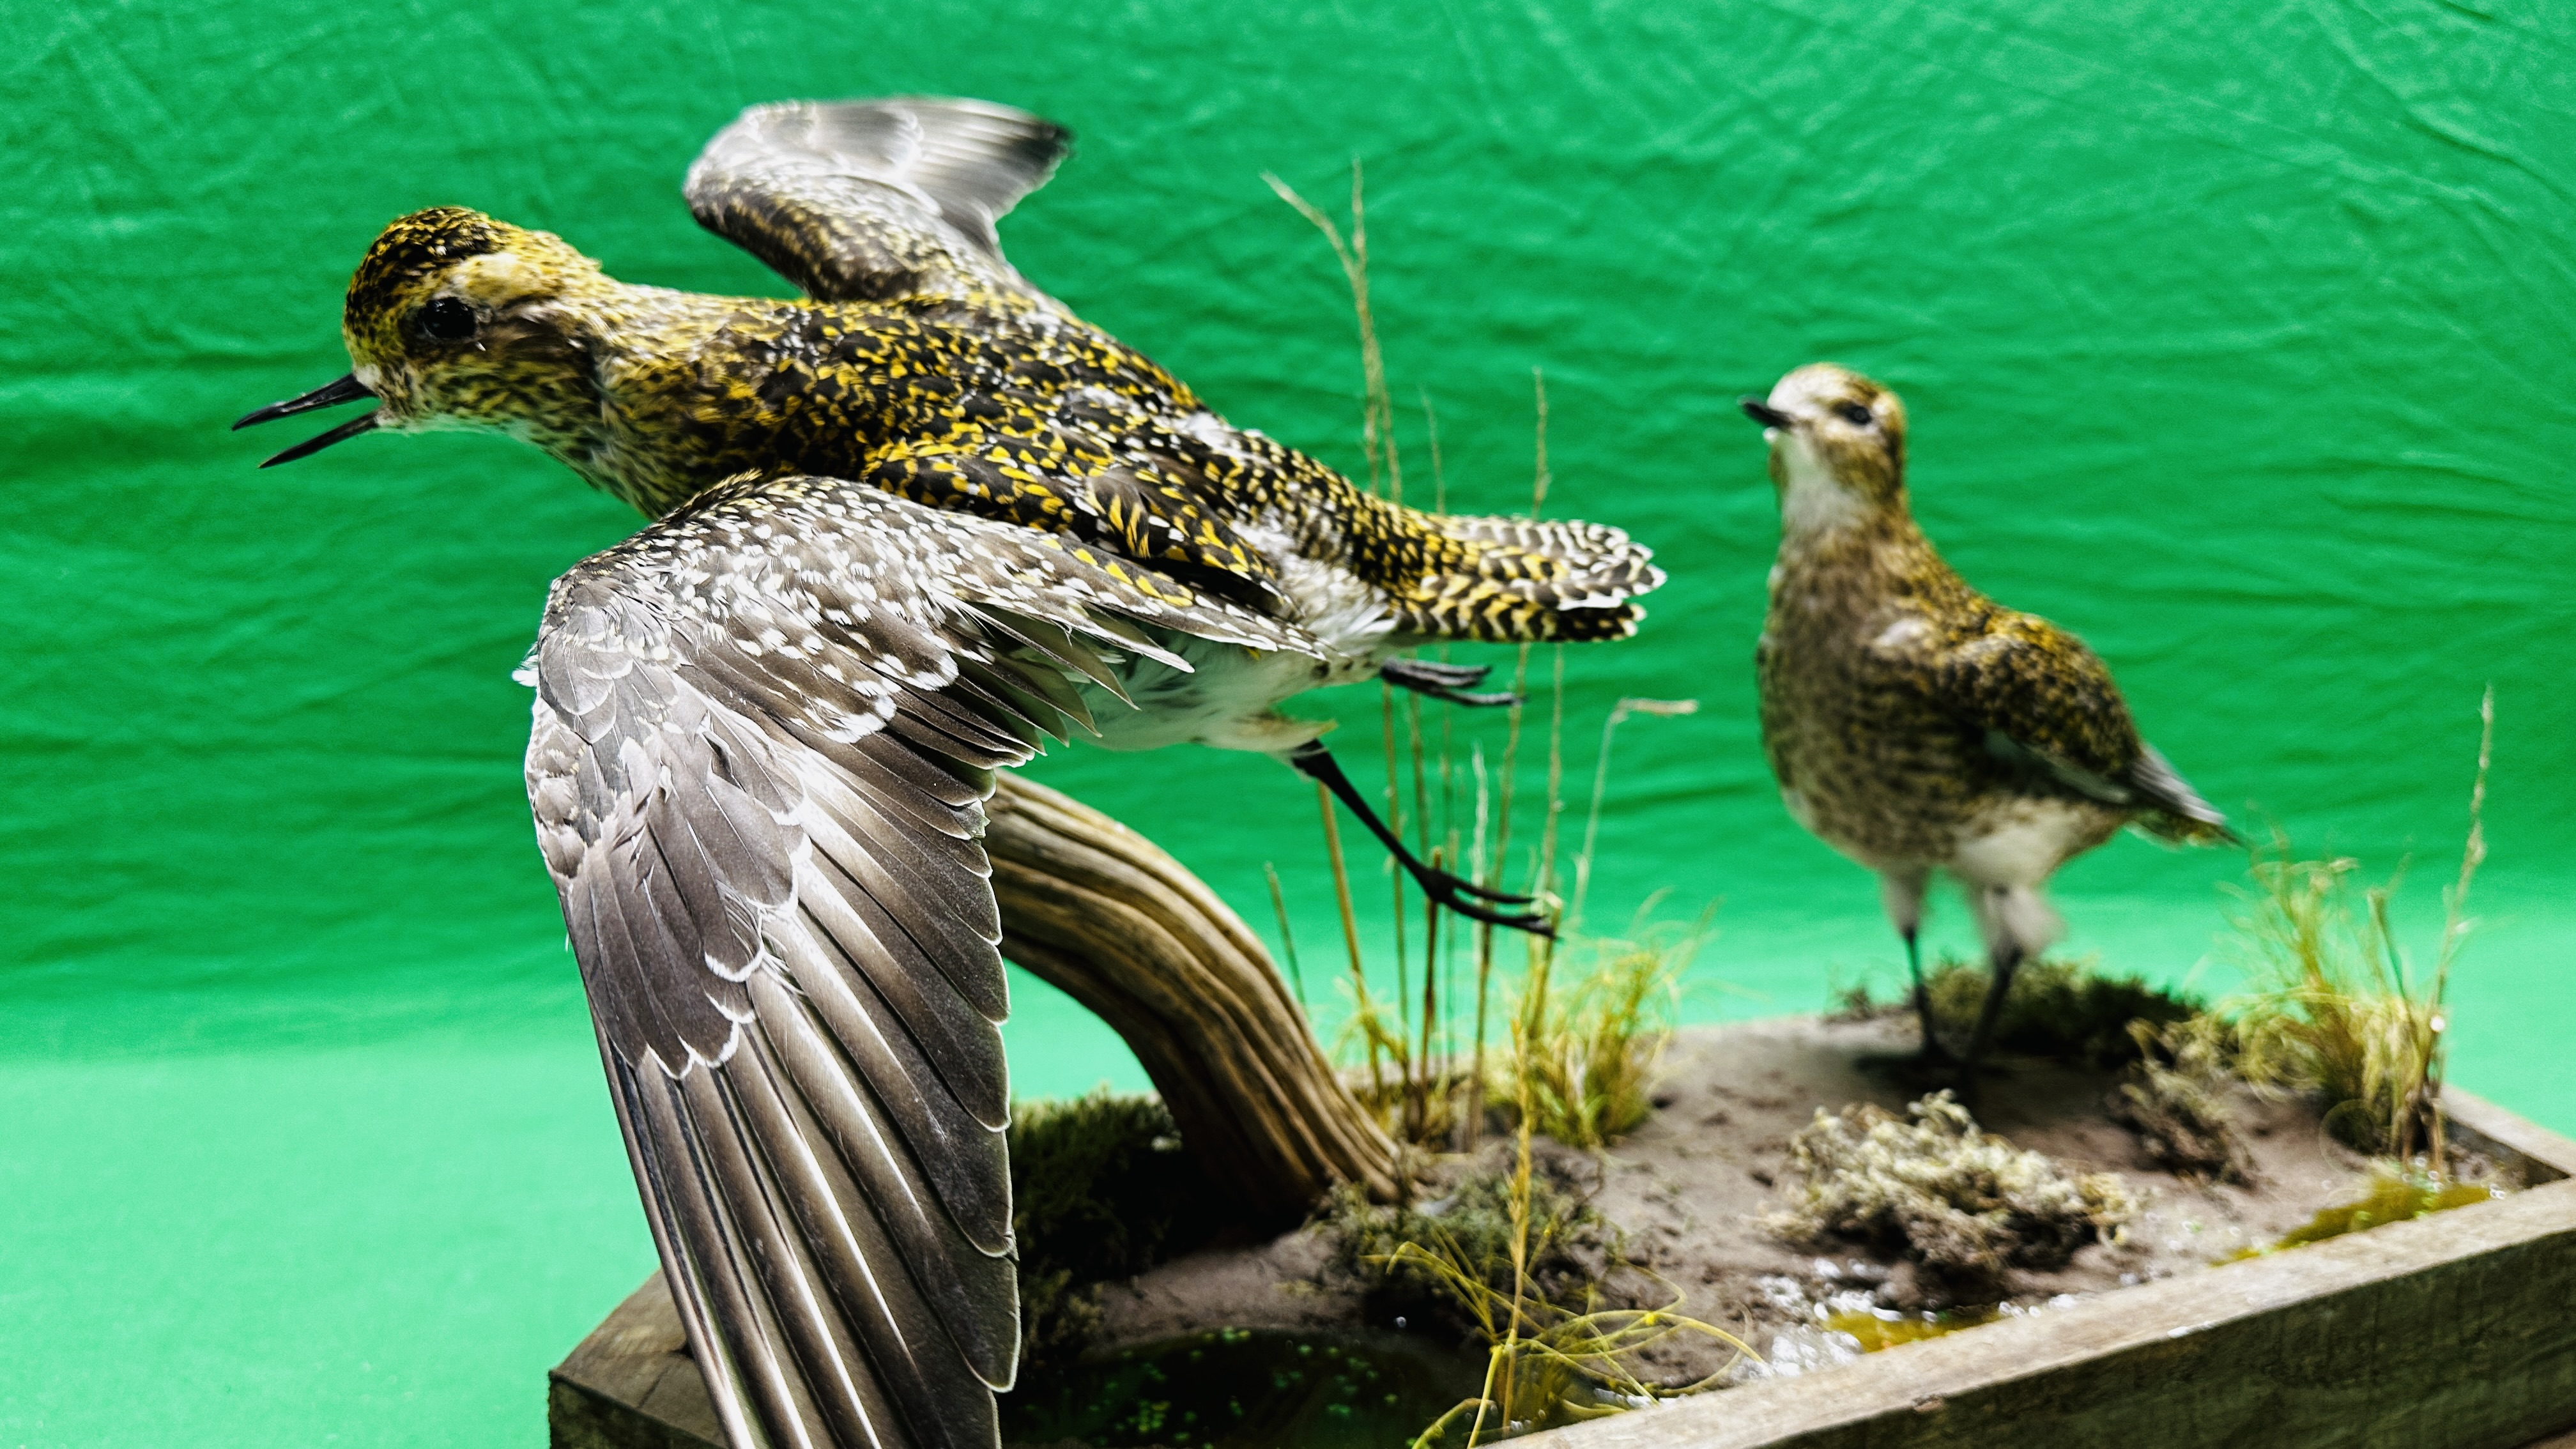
1246 1389
1876 1329
2390 1200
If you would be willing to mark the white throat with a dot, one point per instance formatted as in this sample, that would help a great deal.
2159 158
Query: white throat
1813 502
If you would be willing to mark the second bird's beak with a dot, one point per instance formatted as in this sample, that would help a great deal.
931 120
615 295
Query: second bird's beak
329 394
1763 413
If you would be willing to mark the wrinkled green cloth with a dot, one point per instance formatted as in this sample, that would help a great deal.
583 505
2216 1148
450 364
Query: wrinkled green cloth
2234 337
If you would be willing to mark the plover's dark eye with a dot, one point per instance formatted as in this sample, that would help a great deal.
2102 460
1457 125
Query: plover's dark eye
447 319
1854 414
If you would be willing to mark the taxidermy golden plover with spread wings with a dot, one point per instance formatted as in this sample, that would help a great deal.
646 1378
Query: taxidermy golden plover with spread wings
904 529
1916 725
922 365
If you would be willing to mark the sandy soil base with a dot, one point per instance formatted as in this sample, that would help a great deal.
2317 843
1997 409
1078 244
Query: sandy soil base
1688 1190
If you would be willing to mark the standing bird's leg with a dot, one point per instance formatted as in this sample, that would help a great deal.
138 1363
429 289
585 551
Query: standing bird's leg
1316 763
1934 1053
2017 924
1901 894
2005 960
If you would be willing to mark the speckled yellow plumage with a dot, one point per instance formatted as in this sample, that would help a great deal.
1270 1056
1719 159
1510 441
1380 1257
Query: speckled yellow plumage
969 395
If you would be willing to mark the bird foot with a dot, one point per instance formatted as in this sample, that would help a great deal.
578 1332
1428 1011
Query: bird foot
1465 886
1444 681
1454 893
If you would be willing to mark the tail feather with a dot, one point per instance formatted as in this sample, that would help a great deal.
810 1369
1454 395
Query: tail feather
1528 580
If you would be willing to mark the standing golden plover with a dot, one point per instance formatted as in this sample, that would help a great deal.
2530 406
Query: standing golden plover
1916 725
904 530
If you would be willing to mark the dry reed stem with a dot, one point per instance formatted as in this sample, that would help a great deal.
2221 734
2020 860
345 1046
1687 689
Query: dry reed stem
1287 938
1600 785
1377 427
1350 919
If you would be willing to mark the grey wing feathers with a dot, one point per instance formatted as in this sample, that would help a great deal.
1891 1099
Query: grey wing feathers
875 199
763 731
2176 810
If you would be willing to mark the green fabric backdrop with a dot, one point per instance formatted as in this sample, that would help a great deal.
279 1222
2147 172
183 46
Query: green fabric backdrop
2233 333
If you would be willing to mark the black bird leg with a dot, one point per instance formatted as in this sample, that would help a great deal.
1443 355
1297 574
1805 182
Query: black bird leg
1444 681
1316 763
1934 1054
2006 960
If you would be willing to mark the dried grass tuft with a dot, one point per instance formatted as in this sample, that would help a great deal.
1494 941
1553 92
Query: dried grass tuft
1587 1046
1520 1259
2175 1099
2334 1007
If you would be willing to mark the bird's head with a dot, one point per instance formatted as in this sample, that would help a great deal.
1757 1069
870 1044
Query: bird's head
455 320
1837 446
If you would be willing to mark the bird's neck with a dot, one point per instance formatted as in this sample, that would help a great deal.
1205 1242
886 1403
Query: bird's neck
693 389
1858 566
1819 504
677 401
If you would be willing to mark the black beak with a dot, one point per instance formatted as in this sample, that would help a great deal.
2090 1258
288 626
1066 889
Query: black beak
1763 413
362 423
330 394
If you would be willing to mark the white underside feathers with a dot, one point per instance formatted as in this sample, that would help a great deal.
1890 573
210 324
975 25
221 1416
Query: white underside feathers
1813 502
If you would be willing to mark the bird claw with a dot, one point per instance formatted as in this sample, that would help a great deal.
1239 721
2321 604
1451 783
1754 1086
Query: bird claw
1451 891
1481 893
1410 672
1499 699
1445 681
1535 923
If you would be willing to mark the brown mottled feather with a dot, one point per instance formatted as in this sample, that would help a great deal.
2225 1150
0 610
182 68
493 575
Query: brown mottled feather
1902 710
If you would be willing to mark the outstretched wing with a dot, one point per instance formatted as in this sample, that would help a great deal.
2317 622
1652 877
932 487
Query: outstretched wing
872 200
2048 707
763 730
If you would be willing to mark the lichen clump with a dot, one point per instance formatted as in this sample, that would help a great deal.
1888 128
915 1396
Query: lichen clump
1932 1187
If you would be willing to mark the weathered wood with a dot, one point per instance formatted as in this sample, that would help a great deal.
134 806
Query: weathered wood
1104 914
2449 1332
632 1384
2537 1154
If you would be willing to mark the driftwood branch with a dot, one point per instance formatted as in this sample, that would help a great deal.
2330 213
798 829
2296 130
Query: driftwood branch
1104 914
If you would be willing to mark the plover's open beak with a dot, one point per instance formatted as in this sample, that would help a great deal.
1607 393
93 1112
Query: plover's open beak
1763 413
329 394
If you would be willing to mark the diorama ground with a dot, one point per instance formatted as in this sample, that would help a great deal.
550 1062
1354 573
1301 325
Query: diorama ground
1683 1201
1217 1337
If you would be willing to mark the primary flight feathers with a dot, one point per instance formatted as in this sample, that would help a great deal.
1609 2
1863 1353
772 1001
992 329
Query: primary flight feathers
763 728
867 200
